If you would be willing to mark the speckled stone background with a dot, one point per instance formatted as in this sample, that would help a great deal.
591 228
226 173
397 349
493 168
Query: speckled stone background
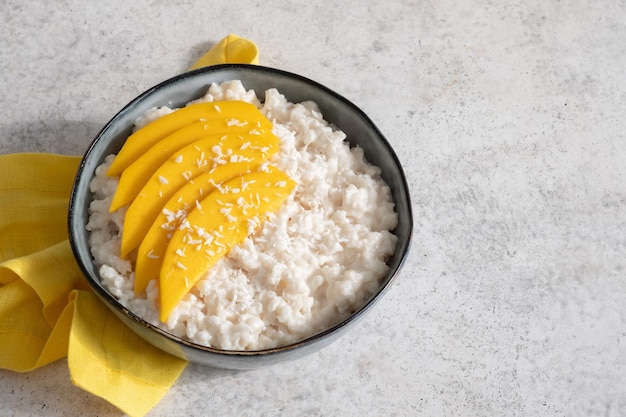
509 119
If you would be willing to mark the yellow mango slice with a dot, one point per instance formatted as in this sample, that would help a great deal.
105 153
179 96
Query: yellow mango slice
219 222
201 156
144 138
152 248
137 174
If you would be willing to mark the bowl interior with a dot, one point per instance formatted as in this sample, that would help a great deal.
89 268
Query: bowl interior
177 91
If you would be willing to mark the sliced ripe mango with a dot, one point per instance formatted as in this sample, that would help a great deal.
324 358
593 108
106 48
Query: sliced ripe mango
144 138
220 221
185 165
135 176
152 248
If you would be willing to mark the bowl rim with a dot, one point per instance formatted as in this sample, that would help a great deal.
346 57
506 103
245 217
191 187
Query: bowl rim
112 301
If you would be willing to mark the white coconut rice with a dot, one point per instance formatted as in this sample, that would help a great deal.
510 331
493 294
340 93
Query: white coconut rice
317 259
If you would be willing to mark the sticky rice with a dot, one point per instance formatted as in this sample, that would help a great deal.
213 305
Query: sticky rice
314 262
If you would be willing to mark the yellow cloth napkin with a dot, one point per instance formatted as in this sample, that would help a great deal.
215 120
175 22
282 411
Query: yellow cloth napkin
230 50
47 310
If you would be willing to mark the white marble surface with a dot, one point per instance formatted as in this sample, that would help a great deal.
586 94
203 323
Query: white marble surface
509 119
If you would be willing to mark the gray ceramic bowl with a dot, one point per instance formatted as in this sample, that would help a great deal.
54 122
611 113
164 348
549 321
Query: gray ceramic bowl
181 89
